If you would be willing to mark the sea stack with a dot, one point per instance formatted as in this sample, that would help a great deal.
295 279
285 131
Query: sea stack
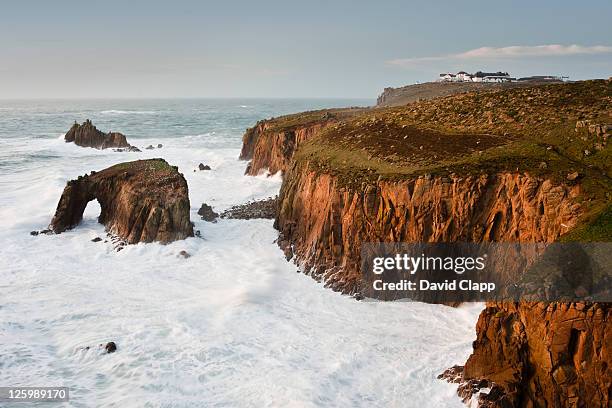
141 201
87 135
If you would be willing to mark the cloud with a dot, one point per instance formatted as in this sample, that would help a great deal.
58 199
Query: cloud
515 51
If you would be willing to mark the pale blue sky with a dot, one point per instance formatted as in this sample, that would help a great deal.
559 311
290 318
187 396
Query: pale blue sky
285 48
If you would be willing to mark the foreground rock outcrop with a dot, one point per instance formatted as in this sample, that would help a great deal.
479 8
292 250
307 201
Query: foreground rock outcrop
141 201
539 355
87 135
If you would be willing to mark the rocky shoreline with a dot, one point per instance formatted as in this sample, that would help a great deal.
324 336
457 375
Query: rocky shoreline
527 164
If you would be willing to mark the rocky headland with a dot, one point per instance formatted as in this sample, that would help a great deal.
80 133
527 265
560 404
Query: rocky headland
271 144
141 201
529 164
432 90
87 135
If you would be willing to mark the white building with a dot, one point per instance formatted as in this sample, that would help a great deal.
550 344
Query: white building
479 76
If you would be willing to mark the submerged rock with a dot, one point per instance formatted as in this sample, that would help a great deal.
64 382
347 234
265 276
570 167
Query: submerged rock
184 254
87 135
110 347
45 231
141 201
207 213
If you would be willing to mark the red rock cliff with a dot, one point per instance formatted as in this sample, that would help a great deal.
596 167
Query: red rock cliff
541 355
323 223
272 143
273 150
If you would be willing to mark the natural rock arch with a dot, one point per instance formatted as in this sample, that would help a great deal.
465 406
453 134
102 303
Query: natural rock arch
140 201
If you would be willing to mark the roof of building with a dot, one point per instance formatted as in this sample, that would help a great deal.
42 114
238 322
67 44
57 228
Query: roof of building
481 74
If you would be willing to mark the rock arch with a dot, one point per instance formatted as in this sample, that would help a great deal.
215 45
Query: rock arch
140 201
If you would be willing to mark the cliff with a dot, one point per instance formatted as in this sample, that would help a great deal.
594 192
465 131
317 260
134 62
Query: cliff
87 135
521 165
141 201
540 355
271 144
323 222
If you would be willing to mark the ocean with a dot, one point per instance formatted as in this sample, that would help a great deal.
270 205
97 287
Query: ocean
233 325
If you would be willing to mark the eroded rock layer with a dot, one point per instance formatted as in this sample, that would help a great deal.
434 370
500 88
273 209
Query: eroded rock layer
541 355
273 150
324 223
141 201
271 144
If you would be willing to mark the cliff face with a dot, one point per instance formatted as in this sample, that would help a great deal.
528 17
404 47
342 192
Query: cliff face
541 355
272 143
274 149
526 354
141 201
323 223
87 135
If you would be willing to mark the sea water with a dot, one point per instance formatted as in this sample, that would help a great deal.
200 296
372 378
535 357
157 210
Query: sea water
233 325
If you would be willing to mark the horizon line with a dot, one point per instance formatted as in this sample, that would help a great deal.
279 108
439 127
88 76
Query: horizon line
56 98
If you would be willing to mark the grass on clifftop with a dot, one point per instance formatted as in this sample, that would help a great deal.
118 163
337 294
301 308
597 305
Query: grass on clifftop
146 166
529 130
294 120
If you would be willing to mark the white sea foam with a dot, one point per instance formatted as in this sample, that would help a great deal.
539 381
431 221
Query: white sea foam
233 325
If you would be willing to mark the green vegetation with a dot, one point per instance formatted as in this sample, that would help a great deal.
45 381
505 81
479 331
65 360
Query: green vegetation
596 229
290 122
529 130
156 165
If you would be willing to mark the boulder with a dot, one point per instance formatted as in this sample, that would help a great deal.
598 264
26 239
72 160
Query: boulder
207 213
87 135
141 201
110 347
204 166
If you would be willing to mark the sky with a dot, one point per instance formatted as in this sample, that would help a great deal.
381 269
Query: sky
151 49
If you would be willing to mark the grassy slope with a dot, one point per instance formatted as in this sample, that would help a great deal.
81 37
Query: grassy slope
527 130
